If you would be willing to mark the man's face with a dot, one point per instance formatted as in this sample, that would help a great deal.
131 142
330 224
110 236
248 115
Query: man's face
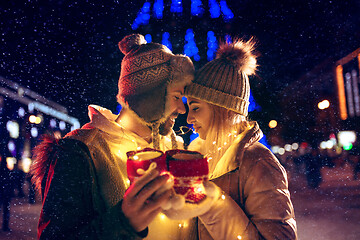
174 107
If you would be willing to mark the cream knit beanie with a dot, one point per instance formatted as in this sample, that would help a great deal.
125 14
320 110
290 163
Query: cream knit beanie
224 81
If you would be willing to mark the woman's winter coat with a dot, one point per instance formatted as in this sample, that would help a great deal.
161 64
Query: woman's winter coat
255 203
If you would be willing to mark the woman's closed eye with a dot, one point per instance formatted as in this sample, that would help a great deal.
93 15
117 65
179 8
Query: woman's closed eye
195 109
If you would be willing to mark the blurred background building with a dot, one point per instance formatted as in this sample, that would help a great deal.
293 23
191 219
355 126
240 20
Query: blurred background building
57 57
24 117
322 105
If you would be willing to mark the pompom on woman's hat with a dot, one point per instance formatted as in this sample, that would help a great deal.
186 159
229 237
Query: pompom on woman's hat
146 71
224 81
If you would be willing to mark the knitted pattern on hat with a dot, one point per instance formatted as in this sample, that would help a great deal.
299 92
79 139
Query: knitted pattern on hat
146 71
224 81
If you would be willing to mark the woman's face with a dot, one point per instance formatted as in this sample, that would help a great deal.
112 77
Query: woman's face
200 115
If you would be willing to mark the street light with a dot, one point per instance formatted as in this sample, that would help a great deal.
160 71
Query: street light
323 104
272 124
35 119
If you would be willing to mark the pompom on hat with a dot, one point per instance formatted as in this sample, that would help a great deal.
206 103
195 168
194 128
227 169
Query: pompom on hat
146 71
224 81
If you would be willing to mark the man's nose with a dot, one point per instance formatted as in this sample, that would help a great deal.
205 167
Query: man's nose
181 108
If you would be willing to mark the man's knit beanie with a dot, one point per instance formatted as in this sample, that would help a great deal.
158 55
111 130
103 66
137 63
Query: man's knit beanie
224 81
146 71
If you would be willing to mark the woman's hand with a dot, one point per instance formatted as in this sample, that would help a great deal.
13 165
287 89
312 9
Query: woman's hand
140 204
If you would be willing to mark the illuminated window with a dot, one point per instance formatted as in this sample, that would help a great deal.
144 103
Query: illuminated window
10 162
34 132
21 112
25 164
62 125
31 107
53 123
13 129
11 146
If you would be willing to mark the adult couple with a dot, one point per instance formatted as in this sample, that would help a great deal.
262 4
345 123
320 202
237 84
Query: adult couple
83 180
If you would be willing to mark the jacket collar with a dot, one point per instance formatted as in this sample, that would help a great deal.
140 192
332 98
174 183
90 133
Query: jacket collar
232 157
104 120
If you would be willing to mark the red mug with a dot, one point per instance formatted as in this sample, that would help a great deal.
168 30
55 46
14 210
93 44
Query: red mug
190 169
142 159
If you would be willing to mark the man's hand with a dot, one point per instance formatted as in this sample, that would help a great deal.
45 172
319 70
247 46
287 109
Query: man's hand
140 205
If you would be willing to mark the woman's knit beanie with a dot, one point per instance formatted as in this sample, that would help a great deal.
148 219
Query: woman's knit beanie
224 81
146 71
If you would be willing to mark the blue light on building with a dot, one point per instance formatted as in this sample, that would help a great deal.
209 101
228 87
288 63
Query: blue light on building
194 134
176 6
143 16
148 38
158 8
228 38
190 48
253 105
212 45
214 9
228 14
165 40
196 8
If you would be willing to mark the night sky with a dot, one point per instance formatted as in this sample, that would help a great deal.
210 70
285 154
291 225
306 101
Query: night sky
67 50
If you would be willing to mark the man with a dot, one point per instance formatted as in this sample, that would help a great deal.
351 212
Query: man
83 180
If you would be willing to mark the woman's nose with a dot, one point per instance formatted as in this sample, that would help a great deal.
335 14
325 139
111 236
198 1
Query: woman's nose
190 118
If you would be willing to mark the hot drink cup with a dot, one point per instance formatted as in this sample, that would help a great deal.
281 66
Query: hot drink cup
138 162
189 169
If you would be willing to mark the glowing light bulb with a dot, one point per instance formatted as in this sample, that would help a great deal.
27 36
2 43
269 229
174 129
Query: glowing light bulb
37 120
281 151
32 119
272 124
323 104
223 197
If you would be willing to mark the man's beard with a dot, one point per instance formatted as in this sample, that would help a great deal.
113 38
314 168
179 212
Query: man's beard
166 127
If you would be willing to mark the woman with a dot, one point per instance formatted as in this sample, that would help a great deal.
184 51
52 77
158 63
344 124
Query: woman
255 201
